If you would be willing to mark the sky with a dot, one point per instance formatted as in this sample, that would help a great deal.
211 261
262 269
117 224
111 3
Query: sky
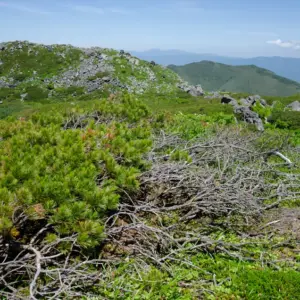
226 27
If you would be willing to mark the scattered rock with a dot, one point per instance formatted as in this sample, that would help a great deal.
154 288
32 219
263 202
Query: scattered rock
250 116
49 48
294 106
256 98
134 61
213 95
246 102
194 90
106 79
103 56
263 102
226 99
2 47
23 96
89 52
4 84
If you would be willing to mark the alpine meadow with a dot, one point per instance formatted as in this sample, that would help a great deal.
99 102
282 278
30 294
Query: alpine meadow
119 179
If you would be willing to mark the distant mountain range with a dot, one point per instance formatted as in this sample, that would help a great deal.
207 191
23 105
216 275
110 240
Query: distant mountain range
283 66
245 79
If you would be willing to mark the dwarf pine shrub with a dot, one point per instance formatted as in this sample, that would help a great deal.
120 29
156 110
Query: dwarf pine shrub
70 177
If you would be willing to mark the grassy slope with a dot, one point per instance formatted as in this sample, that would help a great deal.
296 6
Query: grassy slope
234 278
26 65
34 60
247 79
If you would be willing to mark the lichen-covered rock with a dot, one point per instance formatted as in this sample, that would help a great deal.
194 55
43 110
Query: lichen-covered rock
194 90
249 116
294 106
252 100
226 99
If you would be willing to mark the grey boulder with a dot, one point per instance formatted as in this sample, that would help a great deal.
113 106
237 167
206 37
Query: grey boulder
194 90
250 116
294 106
252 100
226 99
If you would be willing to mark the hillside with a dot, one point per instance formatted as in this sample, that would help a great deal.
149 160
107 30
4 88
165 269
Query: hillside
283 66
33 72
118 180
89 68
244 79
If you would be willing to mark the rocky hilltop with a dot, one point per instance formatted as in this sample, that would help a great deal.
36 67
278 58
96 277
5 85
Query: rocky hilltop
29 70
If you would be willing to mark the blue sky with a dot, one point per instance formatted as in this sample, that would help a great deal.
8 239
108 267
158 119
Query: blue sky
226 27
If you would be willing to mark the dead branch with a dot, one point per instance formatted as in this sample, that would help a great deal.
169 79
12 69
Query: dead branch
226 183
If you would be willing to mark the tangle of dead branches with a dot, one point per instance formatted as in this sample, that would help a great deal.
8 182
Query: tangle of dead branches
226 182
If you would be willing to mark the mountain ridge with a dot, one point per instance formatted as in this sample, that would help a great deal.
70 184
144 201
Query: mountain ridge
284 66
244 79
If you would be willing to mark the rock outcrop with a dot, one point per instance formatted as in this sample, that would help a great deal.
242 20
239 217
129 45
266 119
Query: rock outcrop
194 90
249 116
229 100
294 106
92 69
252 100
243 108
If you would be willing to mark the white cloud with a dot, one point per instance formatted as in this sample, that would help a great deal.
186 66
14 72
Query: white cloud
286 44
22 8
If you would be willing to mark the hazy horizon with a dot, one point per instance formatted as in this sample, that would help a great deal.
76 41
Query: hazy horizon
227 28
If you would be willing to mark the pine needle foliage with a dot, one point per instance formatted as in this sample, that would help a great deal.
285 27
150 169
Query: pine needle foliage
71 176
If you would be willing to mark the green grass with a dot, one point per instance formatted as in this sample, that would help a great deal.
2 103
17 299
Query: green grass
71 197
224 278
98 75
283 100
41 164
267 284
31 59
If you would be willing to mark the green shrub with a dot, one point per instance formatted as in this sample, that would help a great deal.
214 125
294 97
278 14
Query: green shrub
71 178
64 92
36 58
180 155
8 94
263 111
98 75
267 284
20 77
50 86
192 125
286 119
35 93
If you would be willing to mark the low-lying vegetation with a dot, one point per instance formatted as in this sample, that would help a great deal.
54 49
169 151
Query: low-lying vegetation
115 183
105 199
